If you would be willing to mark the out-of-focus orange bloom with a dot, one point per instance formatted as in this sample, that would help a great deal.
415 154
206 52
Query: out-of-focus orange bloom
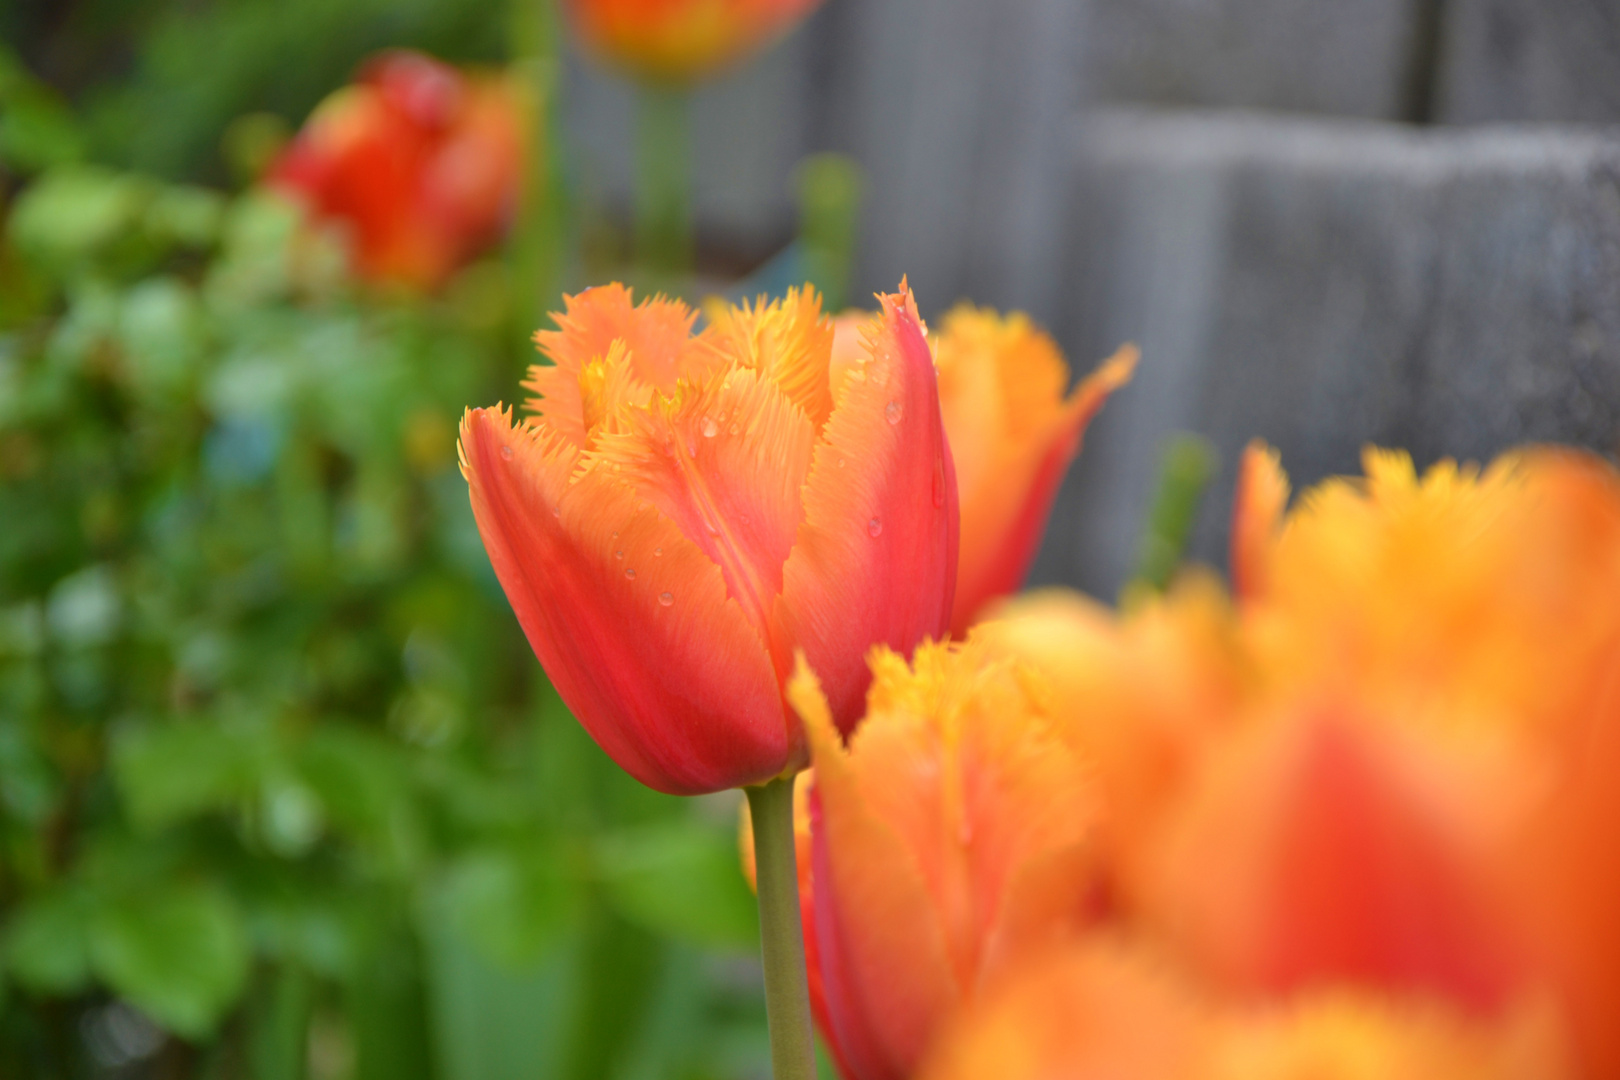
1013 433
680 41
1103 1012
951 837
1142 696
1432 652
418 162
686 512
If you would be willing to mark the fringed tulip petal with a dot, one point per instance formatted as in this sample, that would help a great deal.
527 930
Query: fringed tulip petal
952 838
885 973
1257 515
787 342
629 617
880 525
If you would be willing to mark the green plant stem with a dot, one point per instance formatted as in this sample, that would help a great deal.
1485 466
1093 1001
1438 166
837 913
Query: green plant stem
781 934
663 183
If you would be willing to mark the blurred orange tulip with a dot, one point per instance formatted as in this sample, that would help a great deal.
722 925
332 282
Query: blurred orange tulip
1105 1012
1014 433
1433 653
684 513
679 41
419 163
950 838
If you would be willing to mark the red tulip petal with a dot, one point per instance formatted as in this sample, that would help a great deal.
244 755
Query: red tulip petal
875 560
665 672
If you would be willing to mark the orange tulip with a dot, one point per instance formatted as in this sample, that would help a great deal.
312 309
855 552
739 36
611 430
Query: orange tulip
684 513
951 837
1112 1013
681 41
1431 652
1014 433
420 163
1141 696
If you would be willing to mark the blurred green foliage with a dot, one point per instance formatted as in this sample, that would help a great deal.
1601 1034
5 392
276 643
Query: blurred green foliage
283 792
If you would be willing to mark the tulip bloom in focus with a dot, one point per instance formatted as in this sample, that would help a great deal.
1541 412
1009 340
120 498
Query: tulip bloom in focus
679 41
1014 433
684 513
419 163
950 838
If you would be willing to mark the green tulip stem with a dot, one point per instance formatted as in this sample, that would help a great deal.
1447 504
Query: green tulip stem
781 934
663 202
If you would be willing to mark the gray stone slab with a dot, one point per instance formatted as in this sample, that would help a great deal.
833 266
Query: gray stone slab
1347 57
1548 60
1324 285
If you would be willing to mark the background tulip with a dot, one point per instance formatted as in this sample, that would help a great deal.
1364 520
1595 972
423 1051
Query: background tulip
682 40
1014 433
949 838
1107 1012
685 512
419 163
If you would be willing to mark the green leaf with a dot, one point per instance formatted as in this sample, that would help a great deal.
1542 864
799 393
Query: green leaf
174 771
512 905
179 953
70 213
45 943
683 880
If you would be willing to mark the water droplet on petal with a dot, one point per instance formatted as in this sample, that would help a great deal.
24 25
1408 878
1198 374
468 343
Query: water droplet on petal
658 552
874 528
710 428
892 412
666 598
615 536
506 452
556 511
618 554
733 429
630 574
742 519
840 463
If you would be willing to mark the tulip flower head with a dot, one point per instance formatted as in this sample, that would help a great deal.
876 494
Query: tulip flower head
685 512
951 836
419 163
682 41
1014 433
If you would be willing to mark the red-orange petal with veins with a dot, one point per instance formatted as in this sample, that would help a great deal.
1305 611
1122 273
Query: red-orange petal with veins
1257 516
875 560
699 461
668 675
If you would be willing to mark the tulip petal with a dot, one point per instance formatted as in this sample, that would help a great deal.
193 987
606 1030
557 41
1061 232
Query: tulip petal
726 465
657 337
998 547
871 928
667 674
875 559
1257 514
787 341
